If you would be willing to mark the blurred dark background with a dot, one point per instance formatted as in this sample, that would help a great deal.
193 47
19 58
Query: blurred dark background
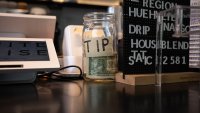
67 12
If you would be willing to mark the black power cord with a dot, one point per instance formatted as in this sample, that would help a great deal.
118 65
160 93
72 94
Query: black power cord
56 75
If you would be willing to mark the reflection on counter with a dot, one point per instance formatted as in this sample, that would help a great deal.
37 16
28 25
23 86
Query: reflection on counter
93 97
24 99
172 99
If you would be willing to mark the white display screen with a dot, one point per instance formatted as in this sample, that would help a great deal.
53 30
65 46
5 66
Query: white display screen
23 51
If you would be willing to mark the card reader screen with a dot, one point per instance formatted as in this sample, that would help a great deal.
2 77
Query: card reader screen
23 51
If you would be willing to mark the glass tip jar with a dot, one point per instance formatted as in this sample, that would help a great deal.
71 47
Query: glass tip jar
100 46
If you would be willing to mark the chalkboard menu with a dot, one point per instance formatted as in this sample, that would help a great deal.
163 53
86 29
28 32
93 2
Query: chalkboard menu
139 41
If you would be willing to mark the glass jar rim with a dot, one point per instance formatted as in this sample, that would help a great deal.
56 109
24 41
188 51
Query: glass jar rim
98 16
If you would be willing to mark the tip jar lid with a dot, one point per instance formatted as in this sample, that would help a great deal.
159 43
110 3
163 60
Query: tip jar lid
99 16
